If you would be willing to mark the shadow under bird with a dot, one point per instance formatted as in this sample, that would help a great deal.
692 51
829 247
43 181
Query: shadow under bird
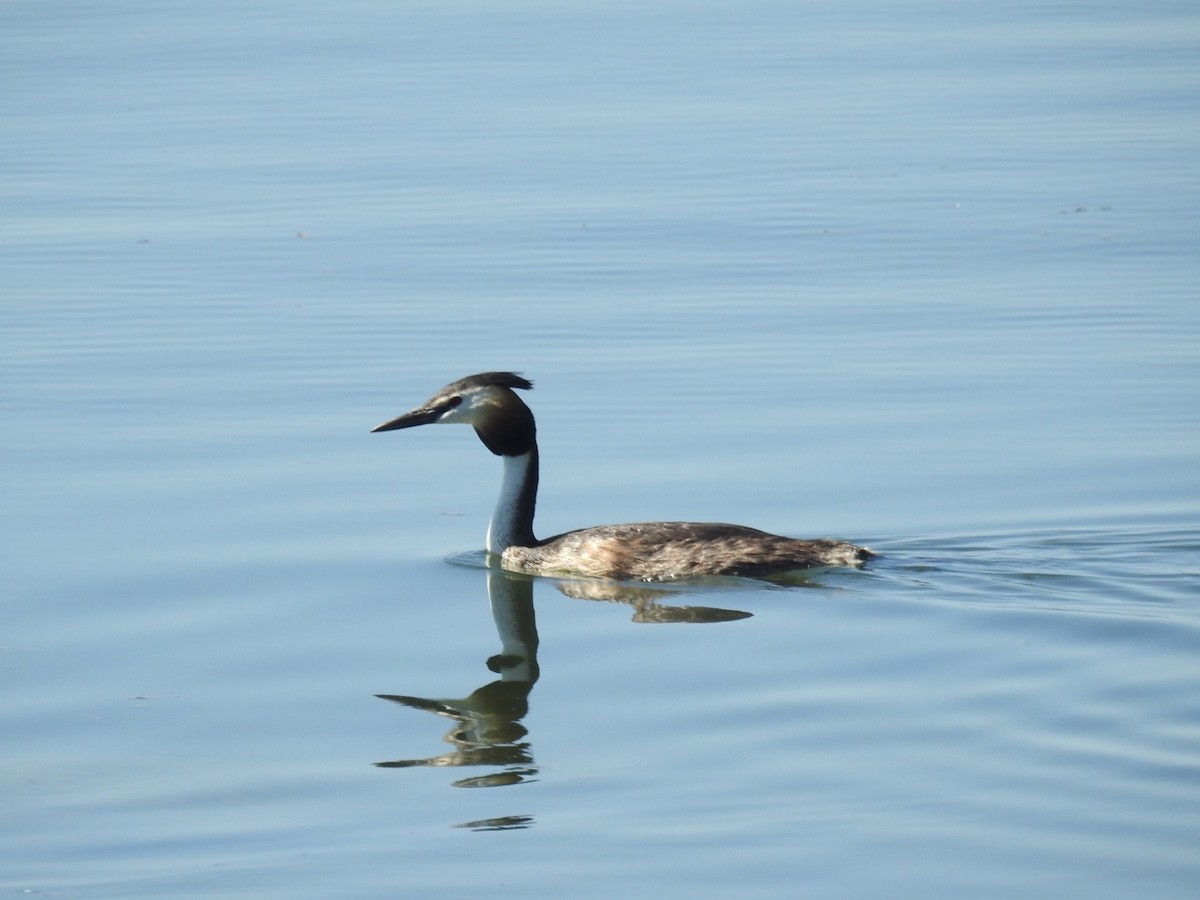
646 551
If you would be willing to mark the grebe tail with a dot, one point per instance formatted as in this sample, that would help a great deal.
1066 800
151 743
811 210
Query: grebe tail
646 551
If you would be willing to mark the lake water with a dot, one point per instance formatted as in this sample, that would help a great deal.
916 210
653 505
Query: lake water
919 275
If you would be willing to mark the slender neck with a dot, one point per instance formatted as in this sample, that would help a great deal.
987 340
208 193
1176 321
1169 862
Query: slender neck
512 522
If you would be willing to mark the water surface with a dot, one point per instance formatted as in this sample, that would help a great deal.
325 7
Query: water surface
920 276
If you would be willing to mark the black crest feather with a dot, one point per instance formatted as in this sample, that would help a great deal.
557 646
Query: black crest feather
492 379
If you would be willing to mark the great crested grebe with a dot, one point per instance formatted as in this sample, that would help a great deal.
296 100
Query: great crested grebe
646 551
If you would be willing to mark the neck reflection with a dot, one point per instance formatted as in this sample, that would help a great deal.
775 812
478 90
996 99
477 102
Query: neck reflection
487 728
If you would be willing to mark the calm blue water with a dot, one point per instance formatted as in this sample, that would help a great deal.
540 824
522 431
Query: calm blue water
923 276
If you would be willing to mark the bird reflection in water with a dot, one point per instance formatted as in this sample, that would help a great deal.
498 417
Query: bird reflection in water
487 723
645 601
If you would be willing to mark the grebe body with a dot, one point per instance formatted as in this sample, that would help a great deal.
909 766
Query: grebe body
646 551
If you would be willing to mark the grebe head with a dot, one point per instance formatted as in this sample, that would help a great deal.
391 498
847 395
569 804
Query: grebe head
486 401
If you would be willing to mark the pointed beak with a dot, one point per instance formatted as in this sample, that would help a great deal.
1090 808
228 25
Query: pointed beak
410 420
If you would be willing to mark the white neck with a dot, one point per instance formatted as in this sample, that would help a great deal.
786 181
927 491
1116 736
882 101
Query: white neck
512 521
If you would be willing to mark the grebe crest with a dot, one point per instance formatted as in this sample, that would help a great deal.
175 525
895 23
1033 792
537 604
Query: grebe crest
647 551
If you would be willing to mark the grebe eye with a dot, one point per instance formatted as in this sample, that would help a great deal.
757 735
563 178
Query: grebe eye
454 401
